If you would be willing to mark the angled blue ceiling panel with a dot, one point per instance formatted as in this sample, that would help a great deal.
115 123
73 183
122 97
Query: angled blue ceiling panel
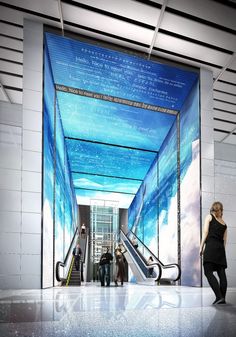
109 72
108 160
104 183
112 123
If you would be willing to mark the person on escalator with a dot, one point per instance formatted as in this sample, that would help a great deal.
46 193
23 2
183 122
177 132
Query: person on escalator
120 265
83 230
150 261
135 242
104 268
77 252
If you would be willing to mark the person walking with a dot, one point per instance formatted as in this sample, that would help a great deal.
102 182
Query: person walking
120 265
212 249
104 266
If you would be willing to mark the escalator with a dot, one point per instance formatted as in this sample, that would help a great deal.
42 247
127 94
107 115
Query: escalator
66 272
137 259
75 277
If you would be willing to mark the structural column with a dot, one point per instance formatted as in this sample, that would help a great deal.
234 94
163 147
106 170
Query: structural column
32 155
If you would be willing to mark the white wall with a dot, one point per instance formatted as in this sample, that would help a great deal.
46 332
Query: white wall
225 191
20 172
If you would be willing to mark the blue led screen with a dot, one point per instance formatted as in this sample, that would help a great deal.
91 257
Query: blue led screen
102 183
108 160
48 176
84 197
167 199
59 199
143 212
112 123
190 189
96 69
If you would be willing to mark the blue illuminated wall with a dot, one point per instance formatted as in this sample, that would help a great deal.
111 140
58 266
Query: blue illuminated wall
190 189
48 174
167 199
143 210
186 175
59 200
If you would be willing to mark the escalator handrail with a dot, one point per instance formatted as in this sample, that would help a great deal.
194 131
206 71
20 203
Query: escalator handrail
147 266
164 266
62 264
84 253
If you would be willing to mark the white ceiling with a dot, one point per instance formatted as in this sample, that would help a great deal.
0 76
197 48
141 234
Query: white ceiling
200 33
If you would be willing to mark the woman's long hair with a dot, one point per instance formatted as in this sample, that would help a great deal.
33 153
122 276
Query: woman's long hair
217 208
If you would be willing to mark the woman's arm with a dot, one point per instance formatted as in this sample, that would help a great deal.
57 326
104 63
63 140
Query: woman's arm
205 232
225 237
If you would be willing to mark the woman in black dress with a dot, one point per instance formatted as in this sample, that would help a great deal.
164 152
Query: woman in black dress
213 250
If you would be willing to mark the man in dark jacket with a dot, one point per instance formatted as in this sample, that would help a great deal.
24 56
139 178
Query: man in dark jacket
77 252
104 266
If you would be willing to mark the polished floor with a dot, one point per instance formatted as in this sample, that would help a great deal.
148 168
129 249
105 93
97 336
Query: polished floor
131 310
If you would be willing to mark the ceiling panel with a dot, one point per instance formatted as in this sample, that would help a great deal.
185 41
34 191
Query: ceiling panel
126 44
223 125
11 30
47 7
11 81
233 64
231 89
11 15
15 96
3 97
228 77
128 9
230 140
198 31
11 55
224 106
225 115
218 136
107 24
207 10
225 97
190 49
11 43
11 67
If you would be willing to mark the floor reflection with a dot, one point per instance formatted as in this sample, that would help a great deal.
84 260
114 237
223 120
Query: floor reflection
132 310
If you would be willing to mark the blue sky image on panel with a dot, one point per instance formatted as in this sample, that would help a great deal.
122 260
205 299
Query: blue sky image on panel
101 70
102 183
113 123
108 160
84 197
142 214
